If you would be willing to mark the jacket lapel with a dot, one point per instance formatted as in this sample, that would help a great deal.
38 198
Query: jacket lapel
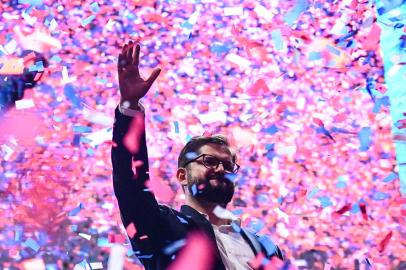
201 223
252 241
199 220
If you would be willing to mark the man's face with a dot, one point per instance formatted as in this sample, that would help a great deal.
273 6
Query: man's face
211 184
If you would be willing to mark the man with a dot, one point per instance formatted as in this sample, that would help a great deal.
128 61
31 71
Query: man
206 166
18 74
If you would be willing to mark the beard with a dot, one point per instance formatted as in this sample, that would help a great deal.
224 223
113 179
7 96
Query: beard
214 189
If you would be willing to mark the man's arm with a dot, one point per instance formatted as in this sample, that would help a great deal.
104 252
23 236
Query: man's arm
138 206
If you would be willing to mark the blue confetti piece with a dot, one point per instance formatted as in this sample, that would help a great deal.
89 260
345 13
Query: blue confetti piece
341 184
219 48
325 201
76 210
81 129
104 242
94 7
18 233
38 66
277 39
74 228
191 155
271 130
31 243
280 200
231 176
187 25
90 152
333 50
355 208
237 212
194 189
182 220
149 256
176 127
31 2
88 20
312 193
314 56
262 199
365 139
256 225
70 93
293 14
175 246
84 140
390 177
159 118
379 196
57 119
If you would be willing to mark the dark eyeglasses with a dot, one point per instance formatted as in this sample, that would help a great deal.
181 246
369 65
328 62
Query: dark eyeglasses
210 161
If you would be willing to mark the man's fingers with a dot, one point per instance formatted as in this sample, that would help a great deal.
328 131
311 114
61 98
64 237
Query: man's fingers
124 50
136 55
129 53
153 76
120 62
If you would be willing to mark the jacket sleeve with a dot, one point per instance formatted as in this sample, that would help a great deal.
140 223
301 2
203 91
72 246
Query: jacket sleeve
137 204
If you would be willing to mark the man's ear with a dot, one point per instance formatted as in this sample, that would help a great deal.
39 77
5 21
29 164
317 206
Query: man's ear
181 176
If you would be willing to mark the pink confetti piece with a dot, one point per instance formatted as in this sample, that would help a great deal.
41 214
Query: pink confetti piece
198 254
257 261
343 209
363 208
117 238
131 230
134 133
33 264
382 245
371 41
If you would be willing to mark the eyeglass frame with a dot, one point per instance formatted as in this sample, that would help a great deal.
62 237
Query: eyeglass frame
219 161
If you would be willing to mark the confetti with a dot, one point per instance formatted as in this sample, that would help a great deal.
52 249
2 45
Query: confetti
131 230
299 87
31 243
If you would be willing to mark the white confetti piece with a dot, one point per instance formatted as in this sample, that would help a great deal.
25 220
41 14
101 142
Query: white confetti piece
97 117
86 236
96 265
233 11
223 213
24 104
65 76
116 258
213 117
263 12
238 60
100 136
11 46
6 152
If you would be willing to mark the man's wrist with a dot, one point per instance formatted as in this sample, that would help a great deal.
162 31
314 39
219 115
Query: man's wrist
130 109
133 105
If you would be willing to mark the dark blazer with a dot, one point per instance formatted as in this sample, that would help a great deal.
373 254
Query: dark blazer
158 226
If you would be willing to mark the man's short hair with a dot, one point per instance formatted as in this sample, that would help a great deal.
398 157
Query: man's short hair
192 148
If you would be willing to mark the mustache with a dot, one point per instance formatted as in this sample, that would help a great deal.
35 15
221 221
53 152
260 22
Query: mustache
221 177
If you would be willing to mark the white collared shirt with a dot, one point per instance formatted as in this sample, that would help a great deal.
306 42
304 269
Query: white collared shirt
235 252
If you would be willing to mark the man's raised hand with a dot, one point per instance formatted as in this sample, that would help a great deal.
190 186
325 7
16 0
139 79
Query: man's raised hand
132 86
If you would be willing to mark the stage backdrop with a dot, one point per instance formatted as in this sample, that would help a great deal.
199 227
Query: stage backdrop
298 86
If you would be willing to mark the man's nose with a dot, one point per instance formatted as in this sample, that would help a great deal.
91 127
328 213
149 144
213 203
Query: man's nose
220 167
